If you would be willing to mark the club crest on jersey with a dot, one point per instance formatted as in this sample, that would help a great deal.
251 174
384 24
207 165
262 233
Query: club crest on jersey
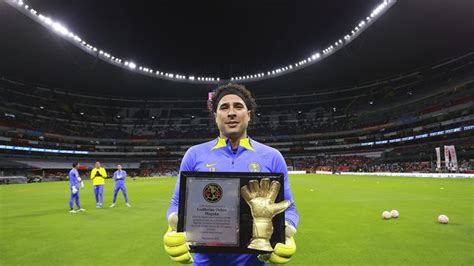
254 167
212 193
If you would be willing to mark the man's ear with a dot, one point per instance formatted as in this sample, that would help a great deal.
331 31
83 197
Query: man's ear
250 115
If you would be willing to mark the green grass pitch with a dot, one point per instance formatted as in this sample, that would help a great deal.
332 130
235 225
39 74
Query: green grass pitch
340 223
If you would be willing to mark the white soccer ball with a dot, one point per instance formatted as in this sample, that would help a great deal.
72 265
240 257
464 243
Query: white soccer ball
386 215
394 213
443 219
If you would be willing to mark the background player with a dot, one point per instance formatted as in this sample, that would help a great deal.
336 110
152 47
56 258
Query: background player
119 177
98 175
74 180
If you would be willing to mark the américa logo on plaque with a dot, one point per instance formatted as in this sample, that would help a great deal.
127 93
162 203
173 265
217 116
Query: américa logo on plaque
212 192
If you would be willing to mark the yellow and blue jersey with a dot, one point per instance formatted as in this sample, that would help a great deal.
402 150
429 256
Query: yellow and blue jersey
98 176
251 156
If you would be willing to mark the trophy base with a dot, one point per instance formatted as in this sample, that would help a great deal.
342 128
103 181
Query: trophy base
260 244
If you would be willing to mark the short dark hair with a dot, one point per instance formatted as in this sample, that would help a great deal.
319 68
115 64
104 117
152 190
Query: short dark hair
74 164
237 89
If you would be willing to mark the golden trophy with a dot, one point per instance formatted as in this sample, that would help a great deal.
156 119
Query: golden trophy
261 199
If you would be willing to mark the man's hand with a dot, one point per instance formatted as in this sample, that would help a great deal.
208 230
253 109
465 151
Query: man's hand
82 184
261 198
74 189
175 243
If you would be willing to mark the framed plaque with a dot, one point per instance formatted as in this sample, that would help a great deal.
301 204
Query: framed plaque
214 215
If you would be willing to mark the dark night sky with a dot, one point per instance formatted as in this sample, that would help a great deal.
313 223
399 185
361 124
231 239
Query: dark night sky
227 38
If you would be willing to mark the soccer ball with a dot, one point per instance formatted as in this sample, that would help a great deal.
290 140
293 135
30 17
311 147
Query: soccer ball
443 219
394 213
386 215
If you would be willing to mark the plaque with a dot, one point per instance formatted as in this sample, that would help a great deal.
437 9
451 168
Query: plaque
215 216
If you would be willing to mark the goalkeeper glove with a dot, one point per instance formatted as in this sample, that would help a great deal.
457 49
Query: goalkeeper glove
74 190
82 184
261 199
282 253
175 243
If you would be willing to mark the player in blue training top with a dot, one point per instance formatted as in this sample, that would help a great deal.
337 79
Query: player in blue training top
119 177
74 181
232 151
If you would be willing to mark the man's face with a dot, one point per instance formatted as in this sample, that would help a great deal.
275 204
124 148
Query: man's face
119 167
97 164
232 116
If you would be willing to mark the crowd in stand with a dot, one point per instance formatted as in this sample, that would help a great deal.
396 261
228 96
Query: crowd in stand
330 164
165 168
334 164
367 164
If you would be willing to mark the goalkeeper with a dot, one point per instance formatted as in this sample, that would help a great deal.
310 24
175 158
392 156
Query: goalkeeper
74 180
233 151
98 175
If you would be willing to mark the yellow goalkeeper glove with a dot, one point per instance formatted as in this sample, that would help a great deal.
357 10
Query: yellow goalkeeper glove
175 243
282 253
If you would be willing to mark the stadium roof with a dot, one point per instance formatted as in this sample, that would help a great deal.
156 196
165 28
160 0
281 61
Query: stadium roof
229 38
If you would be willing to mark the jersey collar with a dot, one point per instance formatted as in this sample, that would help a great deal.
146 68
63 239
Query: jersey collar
244 143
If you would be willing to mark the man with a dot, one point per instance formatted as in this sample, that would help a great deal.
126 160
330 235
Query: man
98 175
233 151
74 180
119 177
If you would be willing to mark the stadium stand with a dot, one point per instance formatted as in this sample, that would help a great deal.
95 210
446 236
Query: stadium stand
343 129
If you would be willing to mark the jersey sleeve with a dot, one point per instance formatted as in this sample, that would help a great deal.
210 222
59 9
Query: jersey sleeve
291 214
187 164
